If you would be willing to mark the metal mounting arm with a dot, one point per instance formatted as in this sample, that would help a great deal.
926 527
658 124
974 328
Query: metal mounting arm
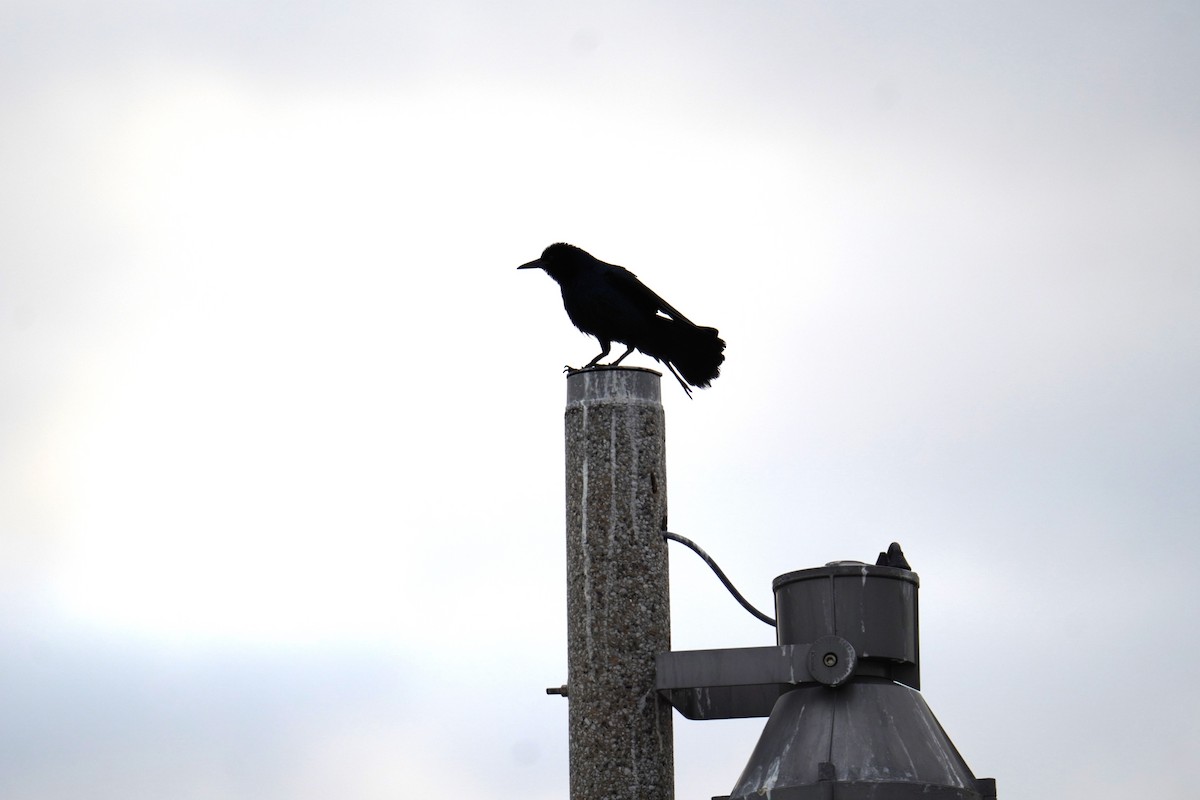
746 681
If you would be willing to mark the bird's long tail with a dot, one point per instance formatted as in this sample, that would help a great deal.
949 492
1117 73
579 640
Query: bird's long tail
696 352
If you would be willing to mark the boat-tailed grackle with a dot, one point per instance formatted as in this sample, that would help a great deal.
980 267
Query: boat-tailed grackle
610 303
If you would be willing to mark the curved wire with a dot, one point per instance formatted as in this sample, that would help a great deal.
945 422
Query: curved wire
720 574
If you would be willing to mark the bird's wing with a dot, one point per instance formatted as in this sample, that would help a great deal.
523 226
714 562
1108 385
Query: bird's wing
642 295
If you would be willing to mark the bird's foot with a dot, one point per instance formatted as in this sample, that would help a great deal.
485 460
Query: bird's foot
569 370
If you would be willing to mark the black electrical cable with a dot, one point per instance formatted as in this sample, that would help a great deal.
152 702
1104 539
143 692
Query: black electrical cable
728 585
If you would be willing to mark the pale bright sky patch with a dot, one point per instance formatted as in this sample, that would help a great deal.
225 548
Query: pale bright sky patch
274 386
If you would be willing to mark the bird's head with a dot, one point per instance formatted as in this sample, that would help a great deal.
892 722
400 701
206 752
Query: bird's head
558 260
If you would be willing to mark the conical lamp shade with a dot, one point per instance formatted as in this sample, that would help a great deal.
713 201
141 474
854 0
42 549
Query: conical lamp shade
870 739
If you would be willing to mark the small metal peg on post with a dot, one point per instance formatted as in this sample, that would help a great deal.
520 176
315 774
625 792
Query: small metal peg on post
560 690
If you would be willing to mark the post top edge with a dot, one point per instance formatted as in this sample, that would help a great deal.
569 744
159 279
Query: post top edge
632 385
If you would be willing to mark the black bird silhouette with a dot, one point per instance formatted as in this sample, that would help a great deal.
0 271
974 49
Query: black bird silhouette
610 303
894 557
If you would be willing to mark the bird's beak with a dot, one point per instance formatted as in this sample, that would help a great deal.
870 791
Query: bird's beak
535 264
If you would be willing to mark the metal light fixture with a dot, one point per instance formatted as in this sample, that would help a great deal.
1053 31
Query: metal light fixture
846 719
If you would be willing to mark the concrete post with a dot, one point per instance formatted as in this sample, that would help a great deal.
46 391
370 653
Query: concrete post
618 602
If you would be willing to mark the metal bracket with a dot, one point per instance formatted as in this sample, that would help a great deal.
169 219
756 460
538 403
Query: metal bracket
746 681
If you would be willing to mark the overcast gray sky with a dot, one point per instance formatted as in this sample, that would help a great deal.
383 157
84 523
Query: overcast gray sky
280 441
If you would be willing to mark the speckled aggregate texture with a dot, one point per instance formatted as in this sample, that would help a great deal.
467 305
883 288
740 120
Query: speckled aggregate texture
618 604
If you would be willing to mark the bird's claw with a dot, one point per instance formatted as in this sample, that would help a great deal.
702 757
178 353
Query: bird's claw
569 370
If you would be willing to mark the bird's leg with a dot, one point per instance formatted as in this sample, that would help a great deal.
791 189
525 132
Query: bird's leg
607 348
622 358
